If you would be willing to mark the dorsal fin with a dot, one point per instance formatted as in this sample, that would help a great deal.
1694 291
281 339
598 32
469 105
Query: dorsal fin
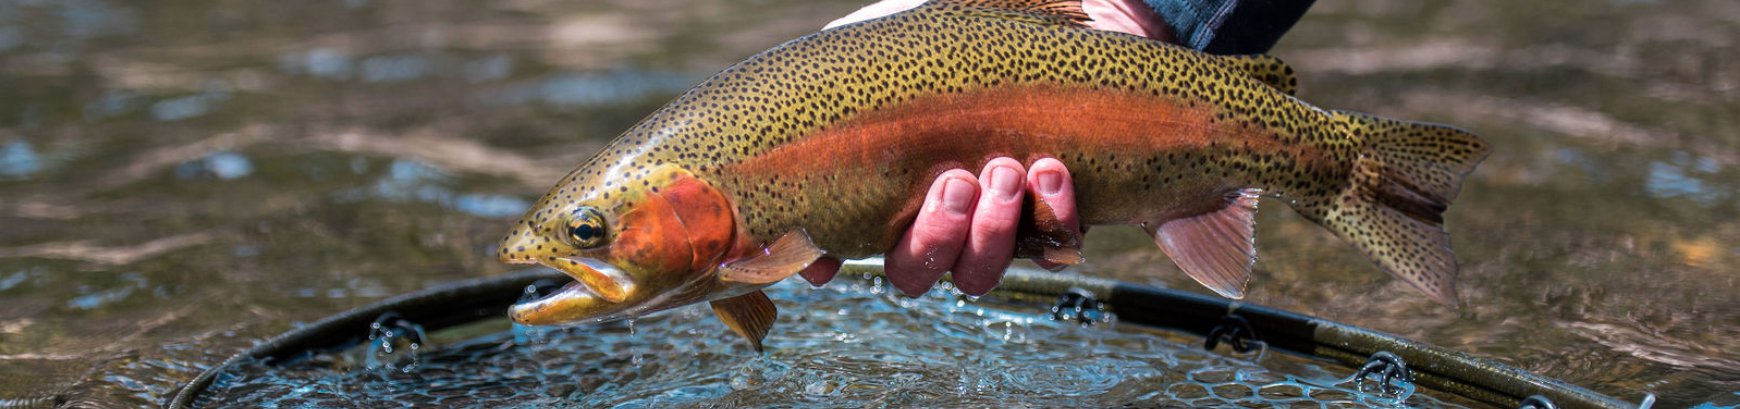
1269 70
1055 11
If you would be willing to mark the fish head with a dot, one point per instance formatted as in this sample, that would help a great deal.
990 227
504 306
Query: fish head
633 246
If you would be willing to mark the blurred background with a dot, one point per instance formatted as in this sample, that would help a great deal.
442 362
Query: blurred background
179 179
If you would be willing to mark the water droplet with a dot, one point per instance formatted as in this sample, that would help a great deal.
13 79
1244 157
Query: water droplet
393 344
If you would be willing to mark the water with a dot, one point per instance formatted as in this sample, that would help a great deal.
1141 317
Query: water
180 180
843 345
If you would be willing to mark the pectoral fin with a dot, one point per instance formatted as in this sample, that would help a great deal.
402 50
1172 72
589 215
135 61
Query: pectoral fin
786 256
1216 248
749 315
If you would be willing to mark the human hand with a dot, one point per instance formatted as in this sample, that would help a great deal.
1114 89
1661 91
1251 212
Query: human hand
968 224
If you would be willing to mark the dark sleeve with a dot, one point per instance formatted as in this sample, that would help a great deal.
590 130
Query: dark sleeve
1230 26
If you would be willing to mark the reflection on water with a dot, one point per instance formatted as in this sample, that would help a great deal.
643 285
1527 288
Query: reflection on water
1679 177
181 179
612 87
409 180
18 159
323 63
221 165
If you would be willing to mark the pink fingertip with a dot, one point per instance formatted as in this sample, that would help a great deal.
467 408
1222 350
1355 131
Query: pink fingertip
933 242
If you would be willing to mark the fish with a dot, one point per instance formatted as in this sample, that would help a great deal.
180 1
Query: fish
821 149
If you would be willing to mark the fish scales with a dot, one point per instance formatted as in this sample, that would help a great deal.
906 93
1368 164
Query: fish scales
802 87
825 145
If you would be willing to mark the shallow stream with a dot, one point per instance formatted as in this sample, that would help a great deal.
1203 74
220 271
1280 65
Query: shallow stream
180 179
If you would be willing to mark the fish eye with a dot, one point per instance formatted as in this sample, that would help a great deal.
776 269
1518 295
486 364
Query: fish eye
586 228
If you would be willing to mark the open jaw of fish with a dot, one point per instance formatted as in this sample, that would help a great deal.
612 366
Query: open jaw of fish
672 241
821 149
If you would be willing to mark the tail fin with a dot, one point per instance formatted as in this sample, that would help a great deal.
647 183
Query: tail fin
1404 179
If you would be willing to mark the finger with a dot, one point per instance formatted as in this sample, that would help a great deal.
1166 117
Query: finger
1055 190
1128 16
934 241
878 9
1049 181
991 242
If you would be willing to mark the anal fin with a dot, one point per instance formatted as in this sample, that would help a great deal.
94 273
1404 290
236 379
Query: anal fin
784 257
1216 248
750 315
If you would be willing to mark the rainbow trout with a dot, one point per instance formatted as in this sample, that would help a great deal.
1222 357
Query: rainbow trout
822 148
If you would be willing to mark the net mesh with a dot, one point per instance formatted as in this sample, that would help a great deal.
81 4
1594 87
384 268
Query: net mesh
852 343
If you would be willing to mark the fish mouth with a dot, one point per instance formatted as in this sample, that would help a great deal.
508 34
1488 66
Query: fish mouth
555 308
600 292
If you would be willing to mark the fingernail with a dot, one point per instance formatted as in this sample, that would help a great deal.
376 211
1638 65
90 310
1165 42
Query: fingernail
1050 182
1005 182
958 196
